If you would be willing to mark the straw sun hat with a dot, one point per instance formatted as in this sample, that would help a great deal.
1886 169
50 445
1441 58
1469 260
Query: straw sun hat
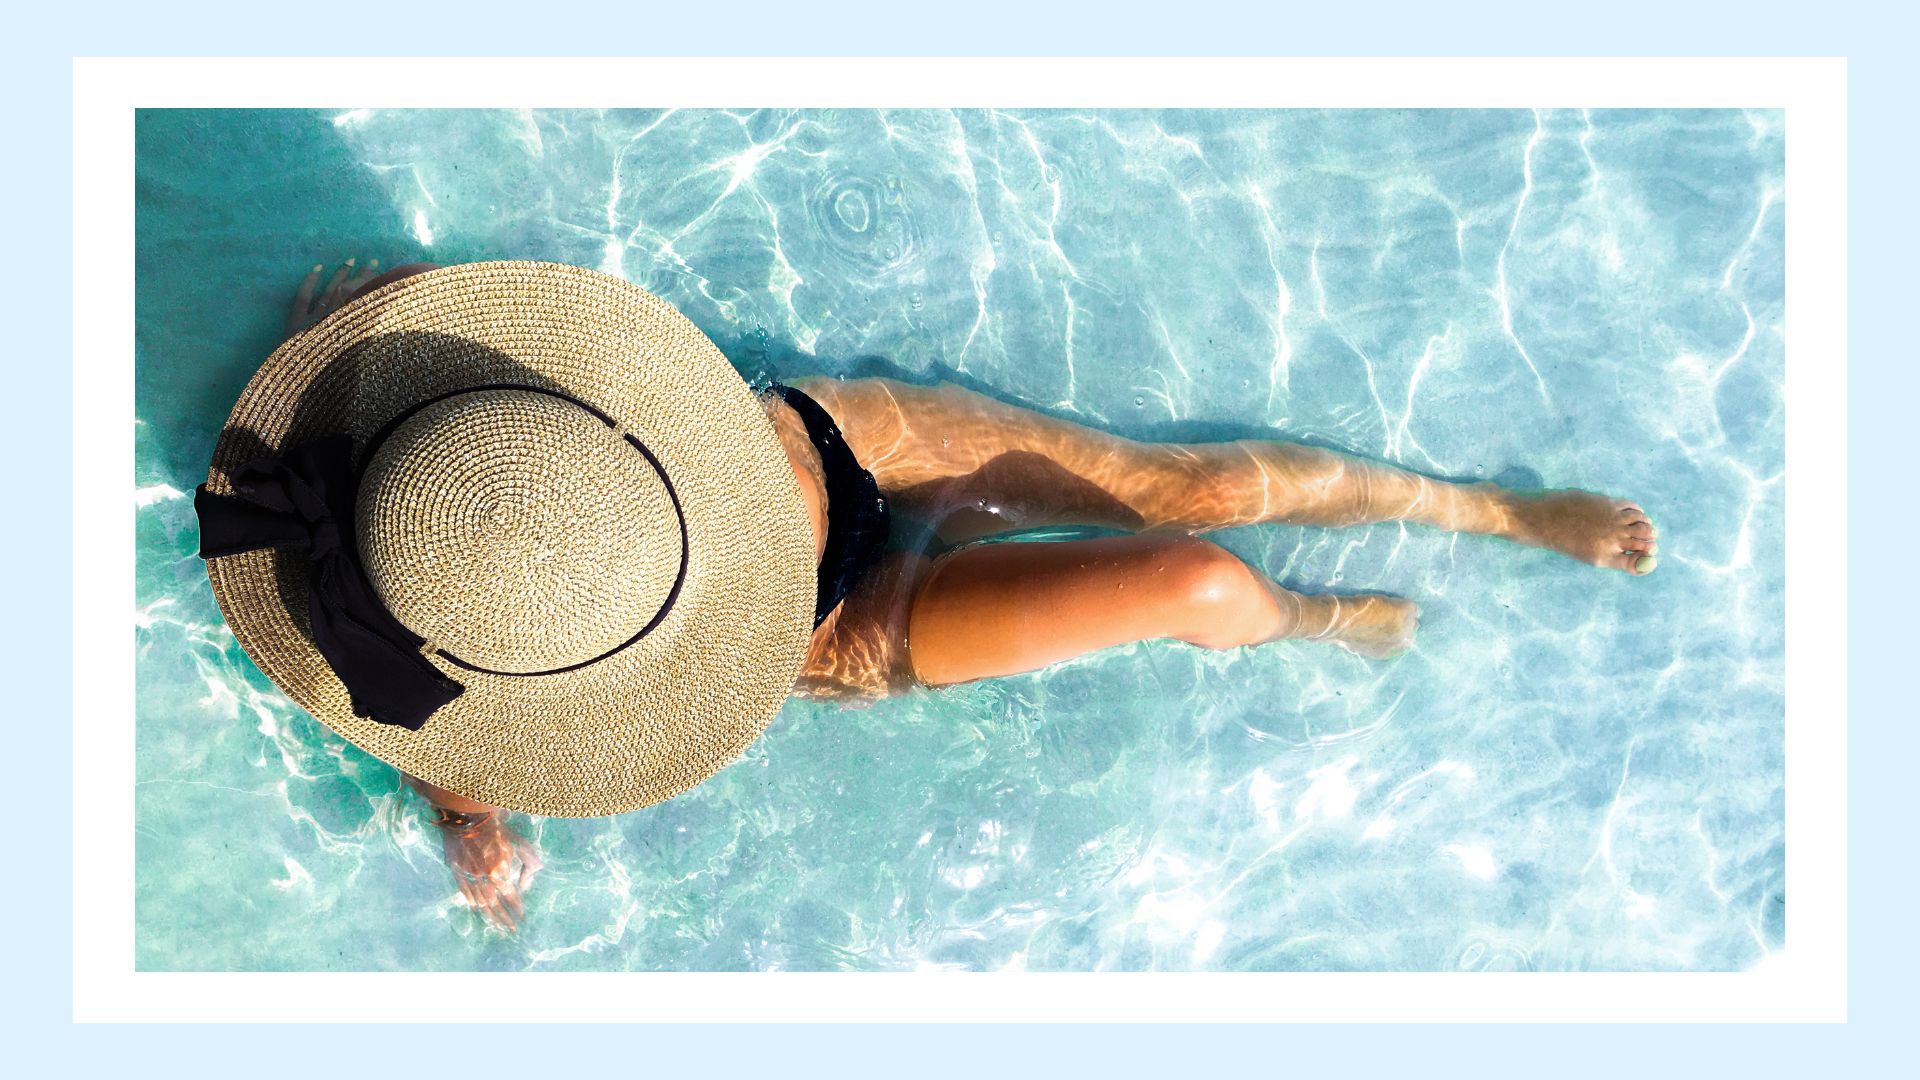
520 530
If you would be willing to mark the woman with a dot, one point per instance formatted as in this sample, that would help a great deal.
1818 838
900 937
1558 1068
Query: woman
968 466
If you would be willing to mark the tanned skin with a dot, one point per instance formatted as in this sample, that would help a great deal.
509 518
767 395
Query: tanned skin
976 466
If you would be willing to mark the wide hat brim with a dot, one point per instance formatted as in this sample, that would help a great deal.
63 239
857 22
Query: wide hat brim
637 727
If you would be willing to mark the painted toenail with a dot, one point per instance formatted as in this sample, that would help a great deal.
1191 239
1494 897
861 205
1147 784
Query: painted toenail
1645 564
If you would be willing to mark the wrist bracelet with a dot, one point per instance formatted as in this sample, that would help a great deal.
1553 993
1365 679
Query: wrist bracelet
457 823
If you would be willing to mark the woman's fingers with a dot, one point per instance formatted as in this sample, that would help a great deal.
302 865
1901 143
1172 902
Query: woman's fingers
482 897
498 914
336 287
303 297
302 313
348 281
503 907
490 883
358 282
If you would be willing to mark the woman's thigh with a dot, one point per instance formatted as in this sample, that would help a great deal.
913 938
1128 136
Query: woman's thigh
990 609
973 465
907 434
1004 608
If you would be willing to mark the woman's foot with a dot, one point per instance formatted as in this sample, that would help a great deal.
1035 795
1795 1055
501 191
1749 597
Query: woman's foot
1374 625
1595 529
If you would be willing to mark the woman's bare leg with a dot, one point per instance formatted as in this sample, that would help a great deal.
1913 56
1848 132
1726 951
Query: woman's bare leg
1002 609
981 466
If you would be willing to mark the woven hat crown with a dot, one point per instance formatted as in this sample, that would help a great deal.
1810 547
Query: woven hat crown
518 530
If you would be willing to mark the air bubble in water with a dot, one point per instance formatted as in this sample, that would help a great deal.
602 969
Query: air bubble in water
850 205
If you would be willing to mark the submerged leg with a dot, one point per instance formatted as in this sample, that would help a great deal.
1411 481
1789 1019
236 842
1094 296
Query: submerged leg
981 466
1002 609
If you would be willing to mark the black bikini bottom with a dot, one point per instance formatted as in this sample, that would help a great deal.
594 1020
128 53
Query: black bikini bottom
858 520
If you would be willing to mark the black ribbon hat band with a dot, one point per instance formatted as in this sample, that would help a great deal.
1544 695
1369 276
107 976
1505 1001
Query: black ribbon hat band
304 500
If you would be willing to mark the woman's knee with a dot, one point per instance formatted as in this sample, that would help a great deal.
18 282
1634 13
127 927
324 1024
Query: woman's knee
1203 573
1216 593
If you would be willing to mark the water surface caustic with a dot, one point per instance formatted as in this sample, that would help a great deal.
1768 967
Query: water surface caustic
1573 769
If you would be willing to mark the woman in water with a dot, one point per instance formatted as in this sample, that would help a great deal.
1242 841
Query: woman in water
969 466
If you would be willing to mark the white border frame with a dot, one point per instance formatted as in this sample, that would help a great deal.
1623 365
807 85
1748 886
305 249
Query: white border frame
1805 981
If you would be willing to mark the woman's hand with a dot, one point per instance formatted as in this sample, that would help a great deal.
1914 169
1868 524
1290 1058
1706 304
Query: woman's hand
347 281
493 866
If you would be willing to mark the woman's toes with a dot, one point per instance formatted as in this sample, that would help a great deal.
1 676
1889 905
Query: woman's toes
1641 530
1637 563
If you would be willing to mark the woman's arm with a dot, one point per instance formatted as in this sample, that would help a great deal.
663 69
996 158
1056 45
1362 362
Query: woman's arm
492 864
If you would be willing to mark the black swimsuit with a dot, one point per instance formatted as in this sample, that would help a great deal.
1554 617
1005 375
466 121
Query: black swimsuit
857 517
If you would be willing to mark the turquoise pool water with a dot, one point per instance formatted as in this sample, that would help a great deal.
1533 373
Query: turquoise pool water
1572 770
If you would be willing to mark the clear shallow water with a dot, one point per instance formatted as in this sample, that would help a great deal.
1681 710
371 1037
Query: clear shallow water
1571 770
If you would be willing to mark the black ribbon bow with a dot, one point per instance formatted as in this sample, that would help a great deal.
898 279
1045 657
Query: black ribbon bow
305 499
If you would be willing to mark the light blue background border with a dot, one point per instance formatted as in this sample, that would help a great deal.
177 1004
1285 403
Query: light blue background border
38 429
